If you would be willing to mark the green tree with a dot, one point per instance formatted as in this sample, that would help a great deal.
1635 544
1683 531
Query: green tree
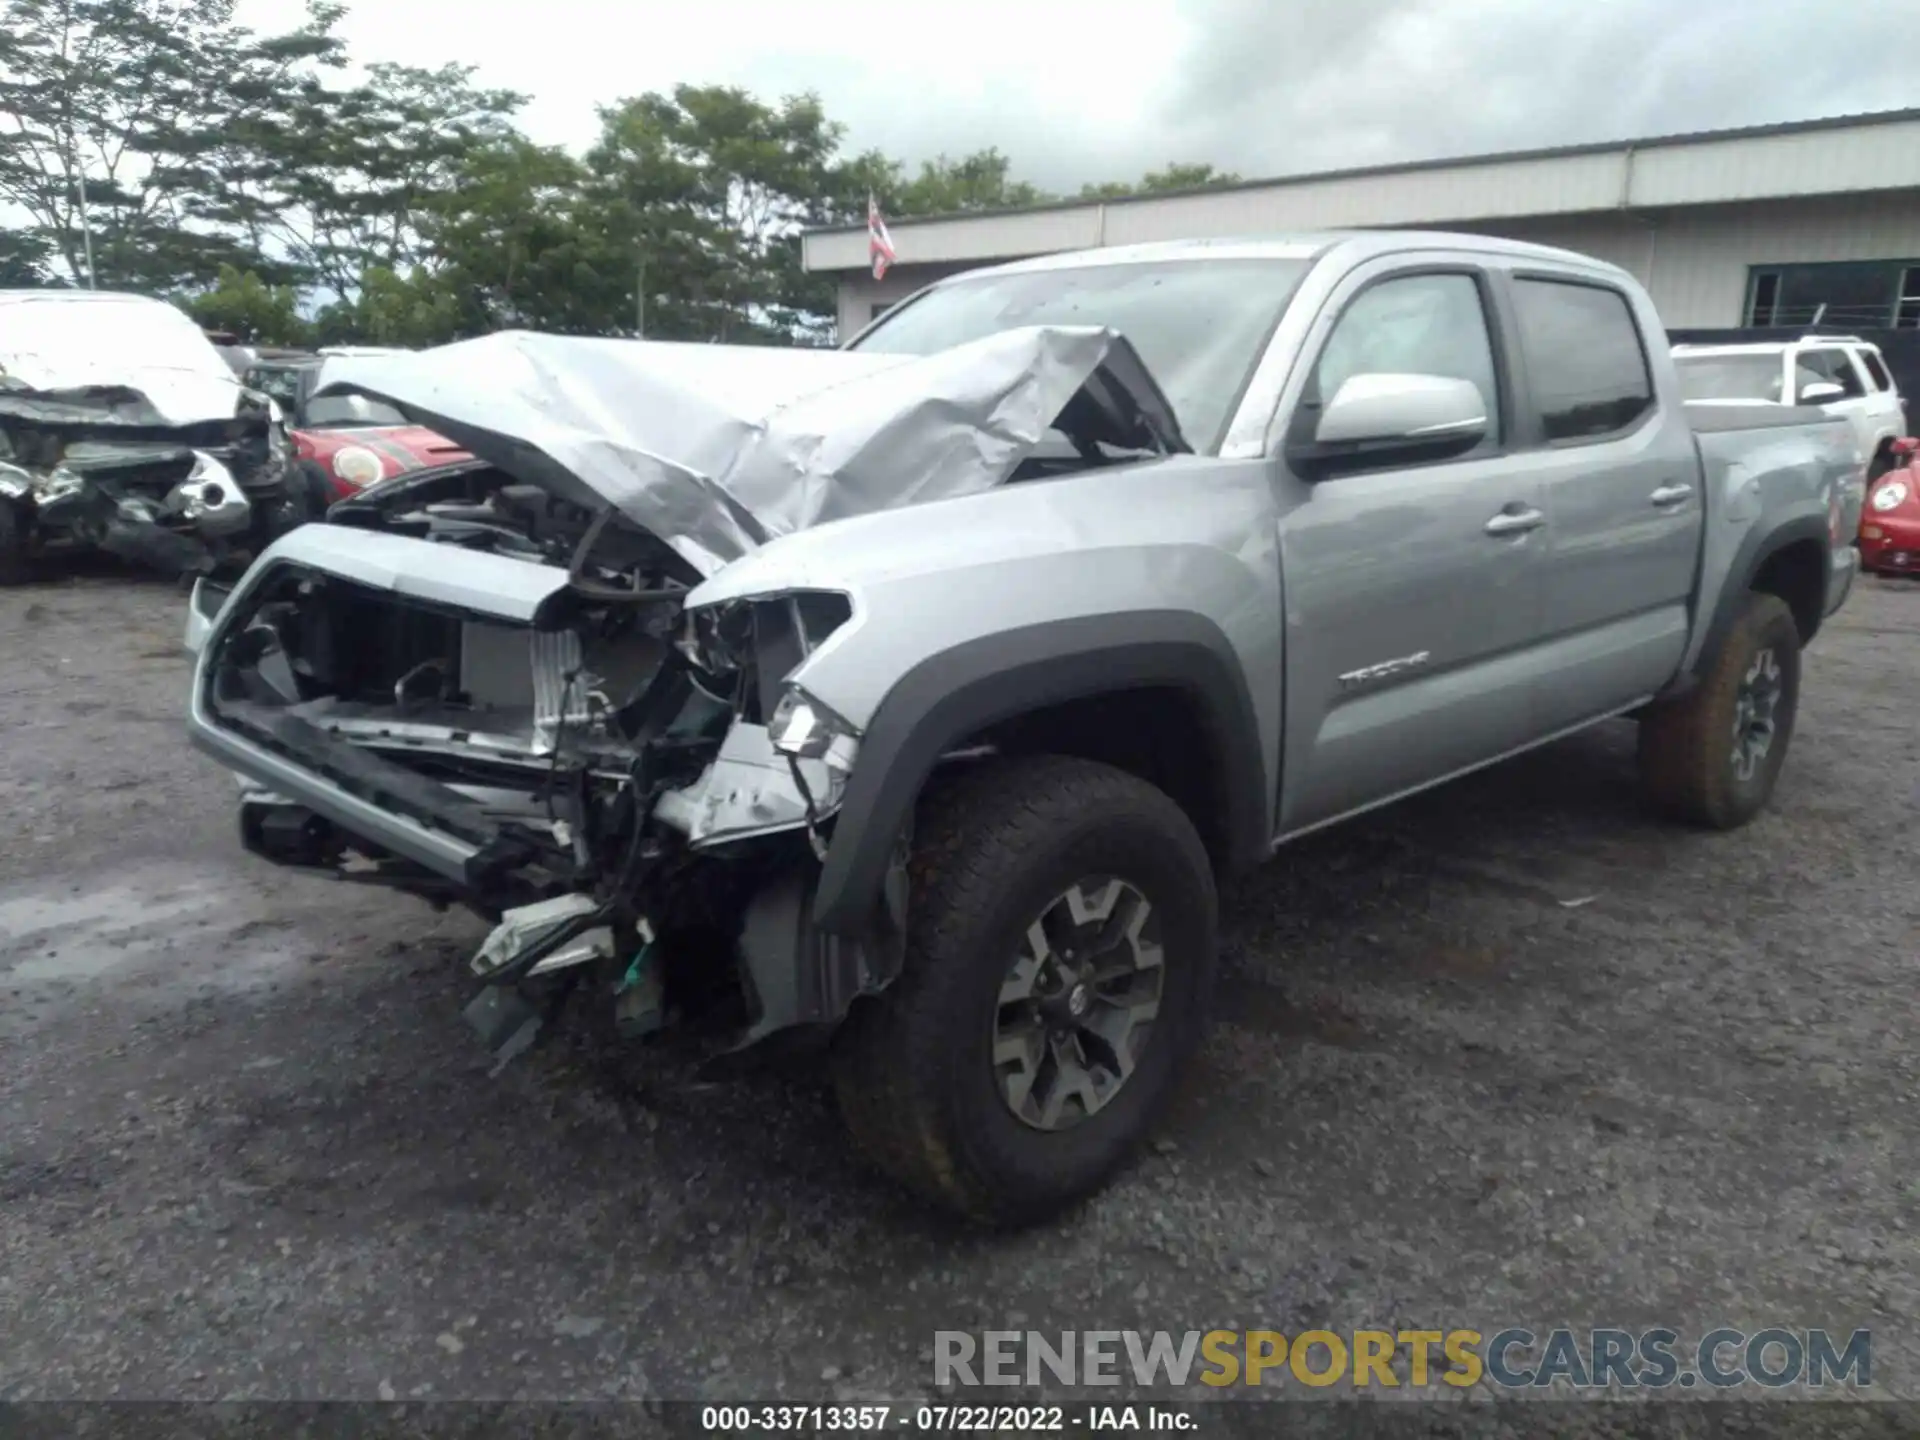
694 207
412 311
104 105
1173 178
509 241
340 181
25 260
942 186
243 304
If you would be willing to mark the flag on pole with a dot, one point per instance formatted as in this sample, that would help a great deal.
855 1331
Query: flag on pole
879 242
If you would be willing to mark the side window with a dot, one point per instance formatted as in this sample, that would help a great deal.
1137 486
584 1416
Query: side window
1585 365
1833 366
1416 325
1876 372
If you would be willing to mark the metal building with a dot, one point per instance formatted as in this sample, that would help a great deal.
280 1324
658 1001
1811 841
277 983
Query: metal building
1810 223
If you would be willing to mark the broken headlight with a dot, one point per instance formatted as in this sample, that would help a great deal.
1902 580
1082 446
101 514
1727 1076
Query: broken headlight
712 639
803 728
748 647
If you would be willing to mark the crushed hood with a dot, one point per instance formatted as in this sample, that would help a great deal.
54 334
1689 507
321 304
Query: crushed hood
110 361
717 449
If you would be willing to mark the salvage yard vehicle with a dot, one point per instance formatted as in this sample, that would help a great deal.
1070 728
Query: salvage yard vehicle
342 443
123 429
910 698
1841 374
1890 523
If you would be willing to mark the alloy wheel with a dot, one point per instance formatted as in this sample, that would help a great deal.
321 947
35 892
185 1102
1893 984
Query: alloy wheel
1077 1005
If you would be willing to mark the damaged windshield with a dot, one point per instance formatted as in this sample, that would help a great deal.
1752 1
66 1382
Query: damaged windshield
347 412
1200 325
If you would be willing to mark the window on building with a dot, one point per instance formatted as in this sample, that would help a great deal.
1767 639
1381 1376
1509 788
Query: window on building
1585 364
1869 294
1875 370
1906 314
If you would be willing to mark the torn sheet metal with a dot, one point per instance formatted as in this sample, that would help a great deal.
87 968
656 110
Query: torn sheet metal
98 358
749 790
123 430
521 929
717 449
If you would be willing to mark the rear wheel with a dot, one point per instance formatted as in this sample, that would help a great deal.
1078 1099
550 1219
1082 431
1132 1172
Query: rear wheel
1712 758
1059 964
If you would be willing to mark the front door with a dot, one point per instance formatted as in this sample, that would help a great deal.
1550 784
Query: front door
1412 591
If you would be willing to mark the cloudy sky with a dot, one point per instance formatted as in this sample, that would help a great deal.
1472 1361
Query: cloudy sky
1075 90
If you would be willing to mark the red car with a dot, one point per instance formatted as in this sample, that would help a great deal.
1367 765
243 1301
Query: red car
345 442
1890 522
354 441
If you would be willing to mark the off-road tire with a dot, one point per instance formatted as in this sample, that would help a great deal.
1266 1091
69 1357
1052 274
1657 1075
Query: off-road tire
913 1066
16 562
1686 745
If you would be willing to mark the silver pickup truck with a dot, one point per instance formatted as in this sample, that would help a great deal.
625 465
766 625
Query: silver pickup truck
910 698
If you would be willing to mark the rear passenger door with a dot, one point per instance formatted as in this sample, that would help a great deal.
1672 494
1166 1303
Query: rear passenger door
1622 494
1412 588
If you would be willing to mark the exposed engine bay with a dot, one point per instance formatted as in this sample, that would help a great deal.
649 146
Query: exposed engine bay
485 683
102 469
604 764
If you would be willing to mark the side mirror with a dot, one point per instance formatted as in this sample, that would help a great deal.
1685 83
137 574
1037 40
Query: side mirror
1386 416
1821 392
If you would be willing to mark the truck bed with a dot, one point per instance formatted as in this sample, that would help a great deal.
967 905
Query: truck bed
1766 459
1713 417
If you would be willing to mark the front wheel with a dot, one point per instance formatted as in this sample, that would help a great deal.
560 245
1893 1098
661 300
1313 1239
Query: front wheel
1712 757
1059 965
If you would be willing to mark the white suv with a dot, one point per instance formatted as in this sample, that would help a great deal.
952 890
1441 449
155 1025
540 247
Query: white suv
1841 374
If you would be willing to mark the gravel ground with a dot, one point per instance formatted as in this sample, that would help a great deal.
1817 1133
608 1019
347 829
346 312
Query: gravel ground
250 1150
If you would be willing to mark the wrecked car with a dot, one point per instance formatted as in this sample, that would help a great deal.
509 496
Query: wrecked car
122 429
908 699
343 442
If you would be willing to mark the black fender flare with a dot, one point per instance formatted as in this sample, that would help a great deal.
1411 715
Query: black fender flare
959 691
1755 550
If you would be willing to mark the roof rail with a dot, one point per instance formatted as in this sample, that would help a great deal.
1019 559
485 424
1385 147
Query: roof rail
1832 340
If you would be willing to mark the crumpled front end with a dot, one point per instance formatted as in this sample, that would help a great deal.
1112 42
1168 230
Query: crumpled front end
103 469
492 683
718 449
492 699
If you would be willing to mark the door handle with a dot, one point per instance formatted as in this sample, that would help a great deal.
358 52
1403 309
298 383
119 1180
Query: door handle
1668 495
1515 522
